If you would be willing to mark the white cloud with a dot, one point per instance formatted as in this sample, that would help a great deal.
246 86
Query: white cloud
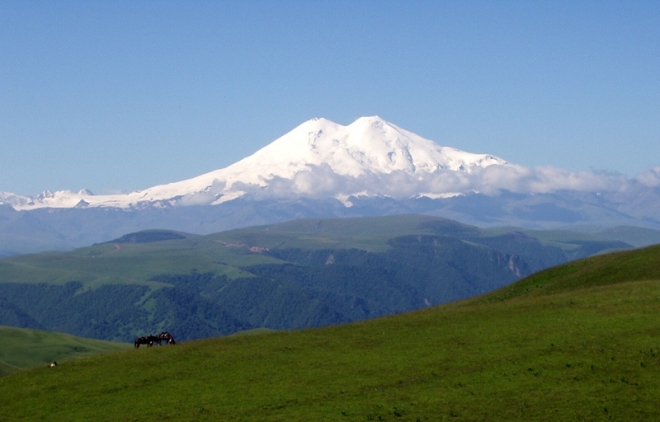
521 179
650 178
322 182
207 196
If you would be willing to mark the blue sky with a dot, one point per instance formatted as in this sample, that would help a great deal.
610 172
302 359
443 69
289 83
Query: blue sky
120 96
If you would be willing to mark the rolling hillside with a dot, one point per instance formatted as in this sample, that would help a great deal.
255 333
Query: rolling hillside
22 348
576 342
305 273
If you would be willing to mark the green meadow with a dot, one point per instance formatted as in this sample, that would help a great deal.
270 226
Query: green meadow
580 342
23 348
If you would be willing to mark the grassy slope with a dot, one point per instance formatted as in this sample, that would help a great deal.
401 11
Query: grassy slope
226 252
221 253
23 348
577 342
597 271
123 263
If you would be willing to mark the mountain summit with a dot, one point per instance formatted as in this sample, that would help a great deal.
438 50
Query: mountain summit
368 145
324 169
319 158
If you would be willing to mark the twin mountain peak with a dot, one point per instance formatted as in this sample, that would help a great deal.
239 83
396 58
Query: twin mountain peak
319 158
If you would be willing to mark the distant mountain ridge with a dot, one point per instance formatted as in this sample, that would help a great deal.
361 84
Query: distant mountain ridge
322 169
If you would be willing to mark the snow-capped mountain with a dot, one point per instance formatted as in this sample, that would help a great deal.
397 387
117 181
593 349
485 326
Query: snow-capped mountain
322 169
319 158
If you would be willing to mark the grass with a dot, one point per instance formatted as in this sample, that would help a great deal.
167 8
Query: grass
570 348
24 348
599 270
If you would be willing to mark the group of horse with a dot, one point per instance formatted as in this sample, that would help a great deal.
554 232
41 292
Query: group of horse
150 340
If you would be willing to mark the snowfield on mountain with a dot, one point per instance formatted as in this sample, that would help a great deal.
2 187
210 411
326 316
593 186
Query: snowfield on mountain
323 169
317 158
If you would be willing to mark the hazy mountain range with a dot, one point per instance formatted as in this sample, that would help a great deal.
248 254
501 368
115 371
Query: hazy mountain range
323 169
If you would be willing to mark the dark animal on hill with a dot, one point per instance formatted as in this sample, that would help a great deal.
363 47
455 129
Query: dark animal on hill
165 336
148 340
151 339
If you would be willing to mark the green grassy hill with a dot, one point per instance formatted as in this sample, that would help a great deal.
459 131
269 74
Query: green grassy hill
576 342
22 348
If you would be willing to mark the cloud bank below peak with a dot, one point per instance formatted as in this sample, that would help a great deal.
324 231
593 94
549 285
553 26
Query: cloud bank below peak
322 181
